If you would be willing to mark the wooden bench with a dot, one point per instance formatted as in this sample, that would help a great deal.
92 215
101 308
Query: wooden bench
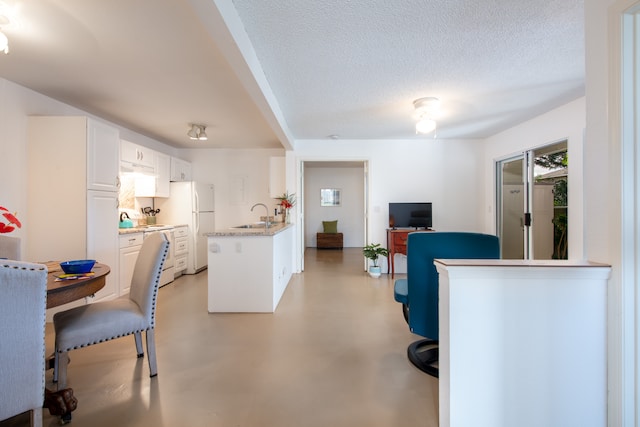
329 240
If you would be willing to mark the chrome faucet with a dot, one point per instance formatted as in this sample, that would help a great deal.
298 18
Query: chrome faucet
266 222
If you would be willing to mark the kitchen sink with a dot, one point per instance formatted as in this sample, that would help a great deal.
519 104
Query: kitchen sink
256 225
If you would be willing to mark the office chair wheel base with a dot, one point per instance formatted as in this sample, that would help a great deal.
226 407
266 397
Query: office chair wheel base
405 312
424 355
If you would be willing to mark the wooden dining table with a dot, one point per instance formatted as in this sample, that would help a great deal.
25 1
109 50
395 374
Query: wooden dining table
65 291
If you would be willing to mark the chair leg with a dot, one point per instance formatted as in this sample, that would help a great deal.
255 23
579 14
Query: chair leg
60 369
36 417
138 337
151 352
56 362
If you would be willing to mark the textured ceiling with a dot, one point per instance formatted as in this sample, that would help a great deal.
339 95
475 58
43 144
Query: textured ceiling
262 74
353 68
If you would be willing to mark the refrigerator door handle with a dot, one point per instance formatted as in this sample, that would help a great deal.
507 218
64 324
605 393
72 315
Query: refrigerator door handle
197 218
196 200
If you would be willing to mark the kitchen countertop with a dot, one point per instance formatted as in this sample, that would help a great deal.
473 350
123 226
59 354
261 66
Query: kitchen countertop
143 228
258 231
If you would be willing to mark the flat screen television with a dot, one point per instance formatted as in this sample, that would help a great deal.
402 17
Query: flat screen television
410 215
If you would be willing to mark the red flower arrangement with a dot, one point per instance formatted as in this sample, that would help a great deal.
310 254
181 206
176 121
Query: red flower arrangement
12 221
287 201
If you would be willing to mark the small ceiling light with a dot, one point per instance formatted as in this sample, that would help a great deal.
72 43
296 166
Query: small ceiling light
426 110
197 132
425 126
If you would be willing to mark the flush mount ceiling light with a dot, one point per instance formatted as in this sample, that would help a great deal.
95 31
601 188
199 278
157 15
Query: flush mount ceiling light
426 110
197 132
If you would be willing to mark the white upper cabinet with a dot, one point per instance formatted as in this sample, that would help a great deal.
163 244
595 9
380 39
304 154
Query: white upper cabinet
163 172
277 184
136 158
180 170
156 185
103 154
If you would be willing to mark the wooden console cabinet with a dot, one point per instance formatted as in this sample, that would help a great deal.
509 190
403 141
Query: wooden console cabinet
397 243
329 240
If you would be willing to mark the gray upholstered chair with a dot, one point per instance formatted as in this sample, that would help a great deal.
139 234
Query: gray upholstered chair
10 247
23 299
103 321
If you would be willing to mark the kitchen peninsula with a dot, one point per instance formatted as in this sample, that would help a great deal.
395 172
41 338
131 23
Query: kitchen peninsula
249 268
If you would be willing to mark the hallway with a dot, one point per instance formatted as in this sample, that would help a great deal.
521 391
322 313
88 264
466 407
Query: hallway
333 355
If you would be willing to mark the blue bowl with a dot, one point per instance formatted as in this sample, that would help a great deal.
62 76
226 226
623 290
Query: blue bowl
78 266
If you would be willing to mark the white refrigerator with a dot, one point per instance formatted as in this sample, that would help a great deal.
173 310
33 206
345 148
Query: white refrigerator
191 203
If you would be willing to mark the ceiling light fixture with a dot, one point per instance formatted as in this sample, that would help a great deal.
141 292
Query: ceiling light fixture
426 110
197 132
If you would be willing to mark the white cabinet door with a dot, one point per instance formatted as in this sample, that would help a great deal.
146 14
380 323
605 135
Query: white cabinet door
128 152
136 157
130 245
180 170
102 237
146 156
163 172
103 157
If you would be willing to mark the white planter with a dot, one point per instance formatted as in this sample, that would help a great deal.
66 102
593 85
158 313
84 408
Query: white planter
374 271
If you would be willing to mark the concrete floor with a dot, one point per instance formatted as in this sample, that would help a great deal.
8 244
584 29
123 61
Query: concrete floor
332 355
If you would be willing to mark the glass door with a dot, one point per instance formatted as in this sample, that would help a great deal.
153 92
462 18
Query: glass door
550 199
532 199
511 204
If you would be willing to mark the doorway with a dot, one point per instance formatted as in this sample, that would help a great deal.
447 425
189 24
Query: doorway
349 180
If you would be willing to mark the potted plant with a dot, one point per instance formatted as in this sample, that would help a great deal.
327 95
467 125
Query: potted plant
373 251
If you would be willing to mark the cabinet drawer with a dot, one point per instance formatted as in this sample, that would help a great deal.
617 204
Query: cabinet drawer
181 232
181 246
400 239
128 240
180 264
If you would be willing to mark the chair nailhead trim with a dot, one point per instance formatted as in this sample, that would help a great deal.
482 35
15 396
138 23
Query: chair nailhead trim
104 340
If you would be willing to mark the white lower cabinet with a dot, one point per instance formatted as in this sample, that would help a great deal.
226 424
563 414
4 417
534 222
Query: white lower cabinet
181 251
130 245
102 238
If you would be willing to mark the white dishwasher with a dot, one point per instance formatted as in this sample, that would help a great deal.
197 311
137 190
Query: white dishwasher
168 269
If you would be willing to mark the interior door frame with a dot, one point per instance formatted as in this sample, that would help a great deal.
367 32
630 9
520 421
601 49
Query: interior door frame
301 201
624 296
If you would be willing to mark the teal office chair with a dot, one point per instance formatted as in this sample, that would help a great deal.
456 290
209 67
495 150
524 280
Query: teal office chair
418 293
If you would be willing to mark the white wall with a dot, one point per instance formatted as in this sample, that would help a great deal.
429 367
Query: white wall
448 173
241 179
350 214
564 123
